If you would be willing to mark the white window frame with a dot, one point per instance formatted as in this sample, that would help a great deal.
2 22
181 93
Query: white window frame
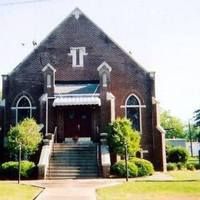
140 106
17 108
73 53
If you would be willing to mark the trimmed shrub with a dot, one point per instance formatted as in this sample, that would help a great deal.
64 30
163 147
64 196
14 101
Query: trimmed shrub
10 169
177 154
197 166
120 132
119 169
27 134
171 166
145 168
180 166
190 166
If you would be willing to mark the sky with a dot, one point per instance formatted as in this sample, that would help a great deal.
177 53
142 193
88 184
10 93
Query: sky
163 36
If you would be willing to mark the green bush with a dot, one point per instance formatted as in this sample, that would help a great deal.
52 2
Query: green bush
180 166
10 169
145 168
27 134
171 166
120 132
190 166
197 166
119 169
177 154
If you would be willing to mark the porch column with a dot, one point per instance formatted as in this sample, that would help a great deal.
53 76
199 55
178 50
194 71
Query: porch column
104 75
49 86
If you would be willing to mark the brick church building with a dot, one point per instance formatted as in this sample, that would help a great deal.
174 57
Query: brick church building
78 80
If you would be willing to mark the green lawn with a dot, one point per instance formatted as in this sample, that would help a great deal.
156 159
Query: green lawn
193 160
151 191
11 191
186 175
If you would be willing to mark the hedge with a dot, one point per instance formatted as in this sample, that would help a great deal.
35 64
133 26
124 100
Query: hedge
136 167
145 168
119 169
10 169
177 154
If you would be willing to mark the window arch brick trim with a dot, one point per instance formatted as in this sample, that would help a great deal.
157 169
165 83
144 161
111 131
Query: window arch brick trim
17 107
24 93
139 106
137 98
21 98
134 93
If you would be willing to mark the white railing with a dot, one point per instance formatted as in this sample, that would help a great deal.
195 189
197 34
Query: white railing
45 155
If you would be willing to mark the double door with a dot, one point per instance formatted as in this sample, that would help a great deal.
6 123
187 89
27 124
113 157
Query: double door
77 122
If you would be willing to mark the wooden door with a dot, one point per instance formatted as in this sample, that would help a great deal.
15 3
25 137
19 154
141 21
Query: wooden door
71 122
78 122
85 123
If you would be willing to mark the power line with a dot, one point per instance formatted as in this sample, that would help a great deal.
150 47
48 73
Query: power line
21 2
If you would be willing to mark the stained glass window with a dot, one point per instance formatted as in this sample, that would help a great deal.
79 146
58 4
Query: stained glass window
23 108
133 112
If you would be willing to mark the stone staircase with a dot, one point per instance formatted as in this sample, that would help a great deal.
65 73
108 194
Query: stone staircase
70 161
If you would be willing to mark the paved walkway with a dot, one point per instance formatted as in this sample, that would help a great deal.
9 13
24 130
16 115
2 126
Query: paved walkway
81 189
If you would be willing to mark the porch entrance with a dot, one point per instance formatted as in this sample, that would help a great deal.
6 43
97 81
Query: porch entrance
77 122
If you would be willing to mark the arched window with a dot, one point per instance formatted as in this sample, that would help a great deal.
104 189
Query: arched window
49 80
104 79
133 111
23 108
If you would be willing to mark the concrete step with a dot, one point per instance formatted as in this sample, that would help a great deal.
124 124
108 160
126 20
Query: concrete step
71 177
71 171
60 154
73 149
75 175
75 164
73 145
73 161
73 157
72 168
58 161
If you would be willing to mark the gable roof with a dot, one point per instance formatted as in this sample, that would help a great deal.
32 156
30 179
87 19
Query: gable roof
76 13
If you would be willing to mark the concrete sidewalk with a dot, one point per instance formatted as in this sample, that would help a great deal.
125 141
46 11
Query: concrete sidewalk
82 189
77 189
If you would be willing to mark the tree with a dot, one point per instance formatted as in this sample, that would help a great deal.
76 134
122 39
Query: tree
197 117
174 126
27 134
193 133
120 133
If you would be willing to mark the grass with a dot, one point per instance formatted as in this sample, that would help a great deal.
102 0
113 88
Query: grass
11 191
185 175
193 160
151 191
175 190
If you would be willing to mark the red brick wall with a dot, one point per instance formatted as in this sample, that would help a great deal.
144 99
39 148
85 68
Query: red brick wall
126 76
